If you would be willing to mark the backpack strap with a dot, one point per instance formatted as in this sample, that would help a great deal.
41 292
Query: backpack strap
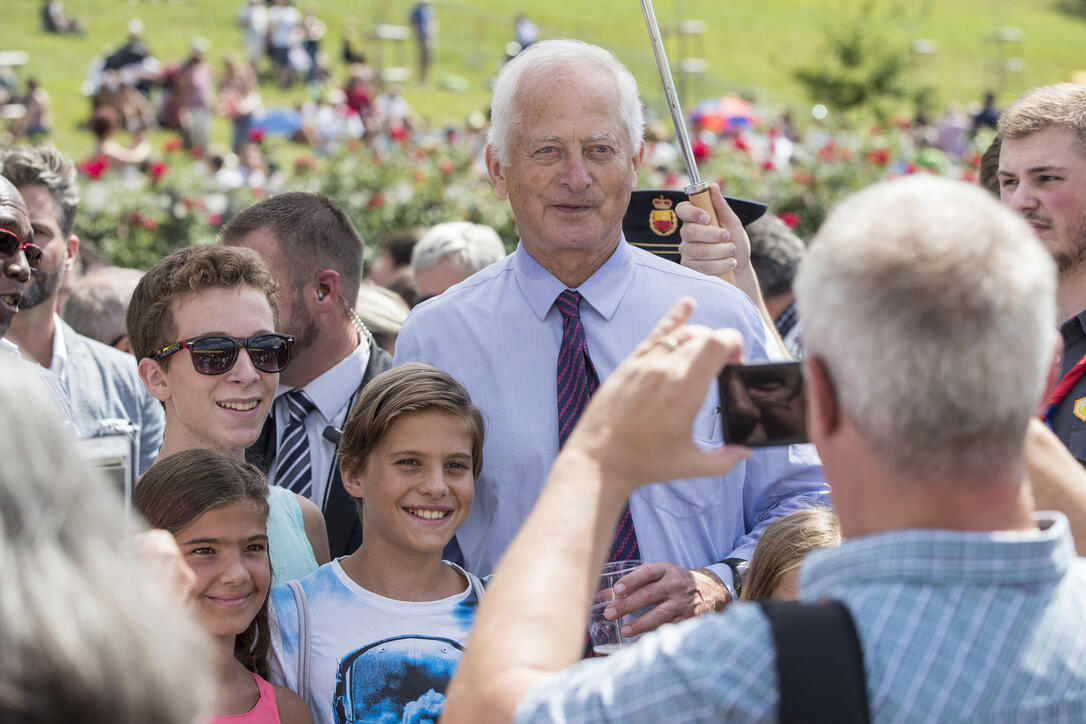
303 641
820 664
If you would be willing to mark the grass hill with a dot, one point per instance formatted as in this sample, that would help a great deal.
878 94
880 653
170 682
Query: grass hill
750 46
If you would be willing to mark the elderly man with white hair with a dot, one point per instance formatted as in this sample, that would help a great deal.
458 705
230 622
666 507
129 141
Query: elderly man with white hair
532 335
954 600
449 253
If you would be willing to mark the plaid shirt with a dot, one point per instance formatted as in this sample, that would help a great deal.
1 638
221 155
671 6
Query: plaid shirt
955 626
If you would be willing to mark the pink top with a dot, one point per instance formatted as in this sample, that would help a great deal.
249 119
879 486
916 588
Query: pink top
265 711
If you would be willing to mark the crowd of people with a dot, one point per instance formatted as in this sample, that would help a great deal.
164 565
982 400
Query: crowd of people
387 494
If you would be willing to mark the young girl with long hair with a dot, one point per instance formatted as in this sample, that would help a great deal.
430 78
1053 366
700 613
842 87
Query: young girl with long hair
217 509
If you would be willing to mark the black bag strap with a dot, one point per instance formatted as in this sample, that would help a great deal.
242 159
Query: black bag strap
820 664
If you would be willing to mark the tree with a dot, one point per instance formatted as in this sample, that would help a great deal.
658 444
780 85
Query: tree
862 66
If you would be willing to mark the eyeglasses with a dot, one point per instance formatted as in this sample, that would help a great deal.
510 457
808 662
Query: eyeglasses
10 244
215 355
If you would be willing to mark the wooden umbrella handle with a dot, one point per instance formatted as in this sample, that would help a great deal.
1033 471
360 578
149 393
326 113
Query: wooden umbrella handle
703 201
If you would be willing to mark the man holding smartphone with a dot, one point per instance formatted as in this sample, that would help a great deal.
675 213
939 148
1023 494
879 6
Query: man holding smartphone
532 335
966 604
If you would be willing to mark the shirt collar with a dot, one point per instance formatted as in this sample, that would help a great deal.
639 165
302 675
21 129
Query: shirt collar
603 290
9 347
60 349
326 390
925 557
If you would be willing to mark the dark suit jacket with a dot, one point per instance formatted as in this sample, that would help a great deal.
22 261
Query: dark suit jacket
340 512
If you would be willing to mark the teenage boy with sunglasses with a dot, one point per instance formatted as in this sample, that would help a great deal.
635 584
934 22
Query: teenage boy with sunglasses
101 382
202 323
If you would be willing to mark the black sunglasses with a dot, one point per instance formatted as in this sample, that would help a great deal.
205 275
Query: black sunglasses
216 354
10 245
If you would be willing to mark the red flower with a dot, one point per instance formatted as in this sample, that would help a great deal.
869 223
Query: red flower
911 167
701 151
171 145
739 142
157 170
790 219
825 154
214 219
304 164
774 132
256 135
399 133
95 167
447 168
969 175
145 221
197 153
376 201
973 159
878 156
802 178
767 165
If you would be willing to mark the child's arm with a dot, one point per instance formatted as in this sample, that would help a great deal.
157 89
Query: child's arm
292 710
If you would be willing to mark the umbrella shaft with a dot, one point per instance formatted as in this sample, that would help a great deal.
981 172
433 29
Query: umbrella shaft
669 92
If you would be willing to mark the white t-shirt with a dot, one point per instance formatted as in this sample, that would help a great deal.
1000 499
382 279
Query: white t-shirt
371 658
281 23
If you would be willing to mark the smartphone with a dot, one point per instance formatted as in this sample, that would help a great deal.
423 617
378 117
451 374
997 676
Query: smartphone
114 451
763 404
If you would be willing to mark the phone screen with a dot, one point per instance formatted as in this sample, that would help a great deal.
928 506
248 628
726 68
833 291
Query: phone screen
763 404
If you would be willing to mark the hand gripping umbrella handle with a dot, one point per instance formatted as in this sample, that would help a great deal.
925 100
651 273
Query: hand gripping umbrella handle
699 196
698 190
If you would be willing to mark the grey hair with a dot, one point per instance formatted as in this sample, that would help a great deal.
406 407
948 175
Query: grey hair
85 634
97 306
475 245
547 55
382 310
775 254
48 167
933 308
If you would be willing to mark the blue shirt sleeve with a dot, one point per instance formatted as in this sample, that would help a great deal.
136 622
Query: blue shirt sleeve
718 667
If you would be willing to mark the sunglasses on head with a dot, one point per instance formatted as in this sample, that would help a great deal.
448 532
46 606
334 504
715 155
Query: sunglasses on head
10 244
216 354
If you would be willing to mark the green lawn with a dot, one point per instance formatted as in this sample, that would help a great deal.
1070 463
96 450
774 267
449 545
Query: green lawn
751 46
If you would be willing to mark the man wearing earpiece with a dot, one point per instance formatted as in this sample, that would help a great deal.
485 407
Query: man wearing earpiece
315 255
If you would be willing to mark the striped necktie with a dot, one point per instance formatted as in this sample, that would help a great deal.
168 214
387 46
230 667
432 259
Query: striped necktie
577 380
293 471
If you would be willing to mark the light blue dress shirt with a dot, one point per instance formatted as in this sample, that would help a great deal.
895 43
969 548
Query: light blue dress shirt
954 626
498 333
